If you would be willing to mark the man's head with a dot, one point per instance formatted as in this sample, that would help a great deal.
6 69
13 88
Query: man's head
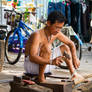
55 22
56 16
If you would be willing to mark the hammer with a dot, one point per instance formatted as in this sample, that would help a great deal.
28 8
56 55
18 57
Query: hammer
68 57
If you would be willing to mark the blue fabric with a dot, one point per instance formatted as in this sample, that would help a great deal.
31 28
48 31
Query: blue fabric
59 6
79 19
56 6
68 14
51 7
75 1
76 18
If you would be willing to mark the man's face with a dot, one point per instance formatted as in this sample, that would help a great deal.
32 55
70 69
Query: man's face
55 28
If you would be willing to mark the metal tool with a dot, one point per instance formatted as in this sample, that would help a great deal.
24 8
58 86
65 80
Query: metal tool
66 55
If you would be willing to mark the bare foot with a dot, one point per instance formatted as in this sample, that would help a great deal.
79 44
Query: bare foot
42 80
77 78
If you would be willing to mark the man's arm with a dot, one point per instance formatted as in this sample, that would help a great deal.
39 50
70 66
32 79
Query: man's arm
70 43
34 47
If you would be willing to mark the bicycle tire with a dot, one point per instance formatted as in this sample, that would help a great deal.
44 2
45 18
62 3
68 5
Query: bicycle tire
7 47
78 46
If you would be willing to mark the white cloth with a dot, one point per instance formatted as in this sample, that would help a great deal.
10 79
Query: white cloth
32 19
33 68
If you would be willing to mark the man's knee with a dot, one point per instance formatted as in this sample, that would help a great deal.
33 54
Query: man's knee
67 49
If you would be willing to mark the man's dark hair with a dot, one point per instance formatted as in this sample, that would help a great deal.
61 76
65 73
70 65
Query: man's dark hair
56 16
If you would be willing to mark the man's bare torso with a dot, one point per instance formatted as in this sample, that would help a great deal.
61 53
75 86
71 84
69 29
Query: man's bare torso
44 49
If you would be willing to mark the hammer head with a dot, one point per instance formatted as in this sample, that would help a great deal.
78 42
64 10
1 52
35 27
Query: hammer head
66 55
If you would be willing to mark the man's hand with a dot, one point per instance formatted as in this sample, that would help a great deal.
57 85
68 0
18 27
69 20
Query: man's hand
76 63
58 60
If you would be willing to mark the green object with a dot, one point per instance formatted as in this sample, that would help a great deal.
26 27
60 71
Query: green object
9 0
15 0
19 3
26 15
61 0
49 0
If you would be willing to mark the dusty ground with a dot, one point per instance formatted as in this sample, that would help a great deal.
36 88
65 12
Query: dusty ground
10 70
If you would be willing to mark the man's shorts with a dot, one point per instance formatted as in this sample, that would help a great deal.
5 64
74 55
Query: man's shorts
33 68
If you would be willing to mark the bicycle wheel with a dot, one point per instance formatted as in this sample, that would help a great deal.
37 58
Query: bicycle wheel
12 48
78 46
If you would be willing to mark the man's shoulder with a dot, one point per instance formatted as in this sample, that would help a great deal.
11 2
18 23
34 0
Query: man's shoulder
36 33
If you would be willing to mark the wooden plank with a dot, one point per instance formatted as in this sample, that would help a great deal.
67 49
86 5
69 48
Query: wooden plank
84 87
18 87
58 86
88 76
78 81
1 54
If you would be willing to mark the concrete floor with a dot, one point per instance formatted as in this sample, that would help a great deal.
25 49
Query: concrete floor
10 70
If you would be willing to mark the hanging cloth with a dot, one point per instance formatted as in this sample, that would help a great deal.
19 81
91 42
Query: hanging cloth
49 0
59 6
75 1
53 0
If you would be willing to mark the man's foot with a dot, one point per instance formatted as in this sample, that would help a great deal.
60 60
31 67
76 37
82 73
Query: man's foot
41 80
77 78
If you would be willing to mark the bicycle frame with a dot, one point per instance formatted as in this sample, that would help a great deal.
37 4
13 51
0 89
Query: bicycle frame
18 30
72 33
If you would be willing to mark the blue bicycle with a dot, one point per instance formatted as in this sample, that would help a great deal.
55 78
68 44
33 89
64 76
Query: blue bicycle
15 40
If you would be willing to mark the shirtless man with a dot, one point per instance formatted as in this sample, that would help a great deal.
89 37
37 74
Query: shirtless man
38 48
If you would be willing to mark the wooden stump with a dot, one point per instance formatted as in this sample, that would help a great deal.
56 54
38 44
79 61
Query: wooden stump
17 87
58 86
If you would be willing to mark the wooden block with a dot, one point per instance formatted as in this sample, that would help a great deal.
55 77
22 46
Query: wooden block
83 87
58 86
1 54
17 87
1 65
